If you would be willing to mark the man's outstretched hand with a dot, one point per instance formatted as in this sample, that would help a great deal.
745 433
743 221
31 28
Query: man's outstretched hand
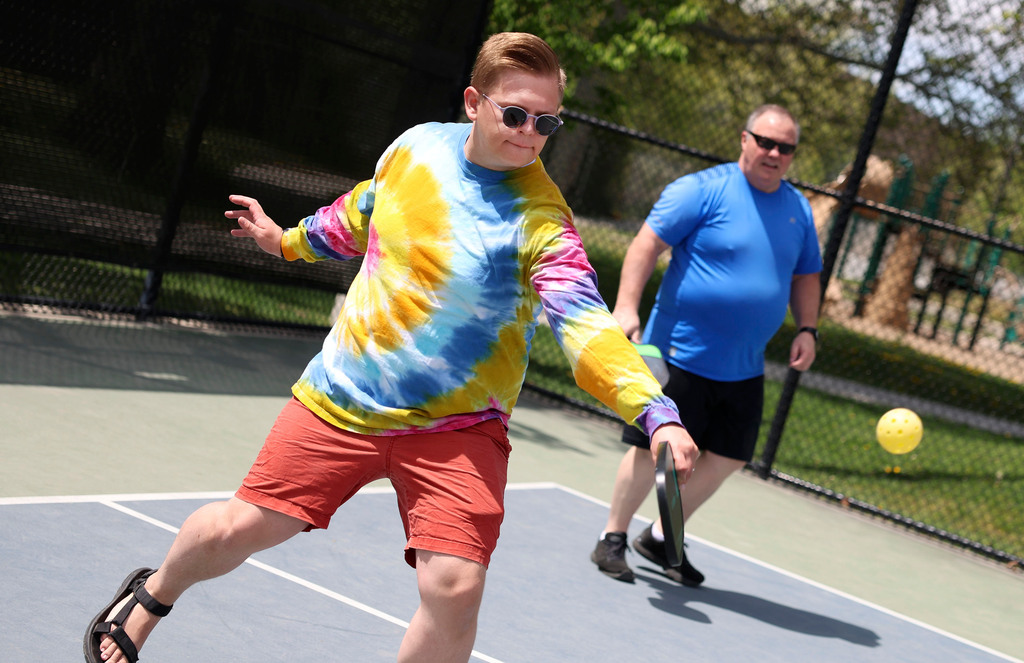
254 223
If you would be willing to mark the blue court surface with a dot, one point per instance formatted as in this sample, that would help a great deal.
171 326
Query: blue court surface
346 594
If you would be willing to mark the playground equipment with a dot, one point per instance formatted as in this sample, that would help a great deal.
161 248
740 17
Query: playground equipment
972 274
923 262
885 298
1016 317
954 264
899 192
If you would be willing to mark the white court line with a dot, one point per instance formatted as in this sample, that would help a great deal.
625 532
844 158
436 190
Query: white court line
815 584
112 502
102 499
223 495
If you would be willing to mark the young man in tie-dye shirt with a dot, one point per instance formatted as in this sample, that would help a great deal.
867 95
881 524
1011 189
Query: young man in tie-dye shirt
465 241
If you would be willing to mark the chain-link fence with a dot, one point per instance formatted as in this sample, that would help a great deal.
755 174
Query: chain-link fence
924 306
125 125
926 324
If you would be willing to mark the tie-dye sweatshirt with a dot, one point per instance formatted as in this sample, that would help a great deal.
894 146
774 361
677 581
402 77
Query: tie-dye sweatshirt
458 263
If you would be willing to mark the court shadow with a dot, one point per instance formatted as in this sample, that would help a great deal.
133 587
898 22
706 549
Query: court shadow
67 352
678 600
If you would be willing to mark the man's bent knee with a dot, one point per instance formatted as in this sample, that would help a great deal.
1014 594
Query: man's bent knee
449 579
245 525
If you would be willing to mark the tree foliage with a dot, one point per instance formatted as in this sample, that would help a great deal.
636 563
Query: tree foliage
595 38
690 72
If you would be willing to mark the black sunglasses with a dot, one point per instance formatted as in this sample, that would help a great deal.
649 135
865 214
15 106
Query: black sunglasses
768 144
515 117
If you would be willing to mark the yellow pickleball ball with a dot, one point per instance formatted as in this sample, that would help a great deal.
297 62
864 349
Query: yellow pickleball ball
899 431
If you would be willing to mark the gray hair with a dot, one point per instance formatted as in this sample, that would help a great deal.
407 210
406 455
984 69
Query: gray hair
771 108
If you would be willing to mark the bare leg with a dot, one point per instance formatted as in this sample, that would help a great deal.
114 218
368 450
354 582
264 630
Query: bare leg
709 473
443 629
633 482
214 540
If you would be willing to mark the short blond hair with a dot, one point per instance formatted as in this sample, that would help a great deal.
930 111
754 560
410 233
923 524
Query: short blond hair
515 51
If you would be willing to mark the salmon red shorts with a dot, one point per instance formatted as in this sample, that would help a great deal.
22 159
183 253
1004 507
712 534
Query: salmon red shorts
450 484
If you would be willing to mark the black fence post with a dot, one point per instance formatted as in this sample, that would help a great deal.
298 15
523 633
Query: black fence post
763 466
193 138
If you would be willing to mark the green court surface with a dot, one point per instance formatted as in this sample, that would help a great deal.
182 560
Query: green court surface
95 409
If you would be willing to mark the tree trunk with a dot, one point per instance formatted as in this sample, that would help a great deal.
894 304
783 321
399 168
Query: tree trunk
889 304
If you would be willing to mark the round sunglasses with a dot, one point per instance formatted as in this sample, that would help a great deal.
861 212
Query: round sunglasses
515 117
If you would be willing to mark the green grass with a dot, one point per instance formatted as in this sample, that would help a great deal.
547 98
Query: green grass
91 283
232 298
962 480
959 479
886 365
965 481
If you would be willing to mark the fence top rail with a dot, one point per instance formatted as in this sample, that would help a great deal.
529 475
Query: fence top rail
929 222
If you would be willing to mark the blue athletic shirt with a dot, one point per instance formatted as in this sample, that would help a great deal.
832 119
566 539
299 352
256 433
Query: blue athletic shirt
735 250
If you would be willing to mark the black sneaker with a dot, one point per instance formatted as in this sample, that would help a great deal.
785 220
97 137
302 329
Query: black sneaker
610 557
655 551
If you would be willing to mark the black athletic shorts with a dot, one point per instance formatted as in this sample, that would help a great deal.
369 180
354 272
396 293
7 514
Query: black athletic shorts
723 417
